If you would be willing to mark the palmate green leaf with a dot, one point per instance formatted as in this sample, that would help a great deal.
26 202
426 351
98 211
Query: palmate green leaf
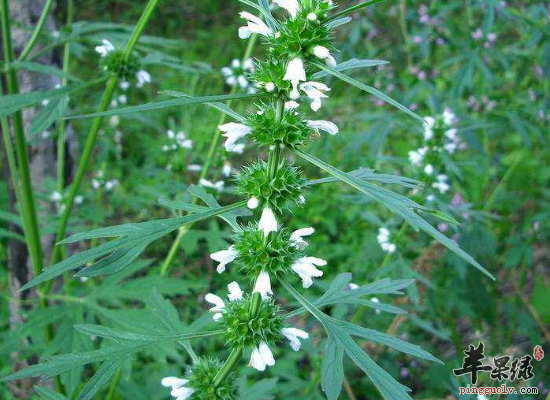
15 102
116 334
54 111
10 218
369 175
48 394
339 292
5 233
338 22
101 378
159 105
224 108
353 63
369 89
131 240
398 204
43 69
211 202
339 342
56 365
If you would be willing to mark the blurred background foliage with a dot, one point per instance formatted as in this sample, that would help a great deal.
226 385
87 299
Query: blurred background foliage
486 60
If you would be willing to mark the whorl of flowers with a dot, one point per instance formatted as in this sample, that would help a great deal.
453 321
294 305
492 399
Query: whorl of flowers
197 384
129 69
440 140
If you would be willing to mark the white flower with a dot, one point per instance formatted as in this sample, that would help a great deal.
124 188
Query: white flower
219 305
226 71
294 335
105 48
124 85
56 196
254 25
226 170
312 16
353 286
270 86
253 203
301 200
450 147
263 285
109 185
324 54
327 126
179 391
235 292
429 169
224 257
241 80
388 247
182 141
441 184
218 185
429 123
233 132
305 267
297 237
295 73
416 157
291 105
267 223
430 198
78 200
194 167
315 91
291 6
451 133
261 357
375 300
448 116
238 148
96 183
142 77
384 240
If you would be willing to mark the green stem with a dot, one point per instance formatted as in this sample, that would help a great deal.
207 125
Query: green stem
353 8
34 37
28 208
229 365
61 133
96 124
167 263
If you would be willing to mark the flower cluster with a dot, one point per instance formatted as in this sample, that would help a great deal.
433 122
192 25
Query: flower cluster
285 186
247 326
127 69
273 127
58 199
99 182
198 383
176 141
237 74
384 240
440 140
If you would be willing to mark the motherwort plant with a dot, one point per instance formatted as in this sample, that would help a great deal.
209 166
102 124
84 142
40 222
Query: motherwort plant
266 256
